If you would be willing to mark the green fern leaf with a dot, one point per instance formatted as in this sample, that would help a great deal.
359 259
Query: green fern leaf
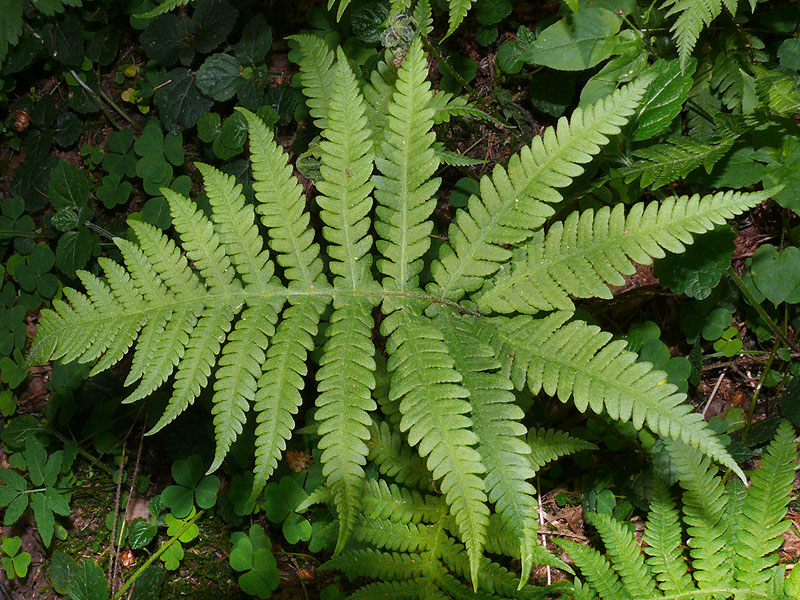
429 387
704 511
344 381
400 505
282 206
162 8
760 523
662 164
345 187
693 16
405 190
513 200
376 564
458 10
395 459
316 75
587 250
662 536
278 390
597 570
625 555
571 359
497 422
548 445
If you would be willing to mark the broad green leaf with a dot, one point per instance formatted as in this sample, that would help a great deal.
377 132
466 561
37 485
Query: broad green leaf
664 97
43 516
10 25
89 582
578 41
219 77
73 251
36 459
69 187
179 101
776 274
256 41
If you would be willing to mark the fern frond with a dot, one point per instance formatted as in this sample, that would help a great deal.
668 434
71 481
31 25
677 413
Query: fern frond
704 511
514 200
761 524
587 250
345 187
496 420
458 10
317 73
401 505
398 537
282 206
445 106
378 93
344 382
376 564
434 411
674 159
693 15
405 190
571 359
662 537
162 8
548 445
625 555
394 458
238 374
342 7
278 397
597 570
401 590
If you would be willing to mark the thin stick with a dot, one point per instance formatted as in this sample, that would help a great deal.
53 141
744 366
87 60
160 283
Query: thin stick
544 539
104 97
716 387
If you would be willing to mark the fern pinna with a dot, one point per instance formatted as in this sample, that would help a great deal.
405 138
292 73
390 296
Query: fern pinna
733 534
243 304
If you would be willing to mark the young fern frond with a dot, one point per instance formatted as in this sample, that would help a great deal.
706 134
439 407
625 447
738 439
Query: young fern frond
581 255
597 570
693 16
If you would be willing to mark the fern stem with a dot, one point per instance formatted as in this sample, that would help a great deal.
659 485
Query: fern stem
132 579
748 294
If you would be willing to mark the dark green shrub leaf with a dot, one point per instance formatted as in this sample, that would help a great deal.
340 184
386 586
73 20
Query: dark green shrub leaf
578 41
777 274
173 148
256 41
148 585
156 212
789 53
697 271
464 66
552 91
68 129
212 22
62 571
69 187
664 97
73 251
209 127
66 218
64 41
368 20
220 77
141 533
489 12
10 25
166 40
179 101
89 582
121 141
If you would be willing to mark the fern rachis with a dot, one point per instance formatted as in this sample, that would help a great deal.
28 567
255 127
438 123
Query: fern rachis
243 305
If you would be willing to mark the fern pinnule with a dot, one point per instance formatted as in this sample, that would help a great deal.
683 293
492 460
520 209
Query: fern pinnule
389 501
514 200
662 537
588 250
317 72
761 521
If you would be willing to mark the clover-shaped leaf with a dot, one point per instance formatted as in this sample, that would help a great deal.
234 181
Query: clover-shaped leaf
15 563
280 499
172 556
252 554
191 487
174 526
